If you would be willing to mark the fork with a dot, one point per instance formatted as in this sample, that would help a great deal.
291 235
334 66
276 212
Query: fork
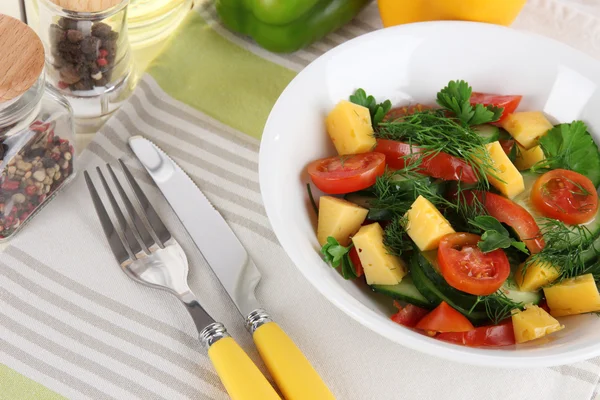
150 255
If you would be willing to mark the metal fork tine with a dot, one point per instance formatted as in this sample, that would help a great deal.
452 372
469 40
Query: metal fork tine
156 224
116 245
138 225
134 245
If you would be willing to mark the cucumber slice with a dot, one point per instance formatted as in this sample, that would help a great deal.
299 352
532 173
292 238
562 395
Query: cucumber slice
487 133
365 199
433 286
362 199
511 289
405 291
524 200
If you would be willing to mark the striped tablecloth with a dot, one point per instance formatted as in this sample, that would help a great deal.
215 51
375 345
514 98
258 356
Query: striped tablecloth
73 325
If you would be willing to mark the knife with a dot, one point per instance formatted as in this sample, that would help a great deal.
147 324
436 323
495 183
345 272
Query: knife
222 250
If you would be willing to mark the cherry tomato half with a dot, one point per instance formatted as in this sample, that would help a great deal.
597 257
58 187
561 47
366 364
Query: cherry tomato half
484 336
441 165
465 267
409 315
565 195
444 318
346 174
510 213
509 103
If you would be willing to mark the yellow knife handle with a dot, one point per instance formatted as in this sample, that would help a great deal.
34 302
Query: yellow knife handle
240 376
293 373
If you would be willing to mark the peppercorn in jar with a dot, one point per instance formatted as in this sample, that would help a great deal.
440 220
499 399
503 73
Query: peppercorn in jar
36 129
87 55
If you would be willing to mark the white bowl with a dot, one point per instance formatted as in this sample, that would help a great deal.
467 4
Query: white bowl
409 64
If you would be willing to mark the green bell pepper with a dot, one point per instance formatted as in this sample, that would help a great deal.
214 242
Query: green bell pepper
284 26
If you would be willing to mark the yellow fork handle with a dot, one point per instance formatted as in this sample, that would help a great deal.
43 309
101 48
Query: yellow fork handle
295 377
240 376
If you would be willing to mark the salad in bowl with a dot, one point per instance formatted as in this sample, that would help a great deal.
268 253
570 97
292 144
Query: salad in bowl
479 220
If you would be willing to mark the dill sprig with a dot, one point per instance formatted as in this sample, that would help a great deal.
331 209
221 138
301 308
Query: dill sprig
395 239
434 132
498 306
564 249
390 197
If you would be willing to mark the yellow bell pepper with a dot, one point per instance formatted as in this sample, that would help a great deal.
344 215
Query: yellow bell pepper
501 12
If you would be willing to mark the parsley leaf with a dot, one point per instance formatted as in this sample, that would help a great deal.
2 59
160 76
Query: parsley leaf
495 236
456 97
335 254
376 110
489 223
570 146
492 240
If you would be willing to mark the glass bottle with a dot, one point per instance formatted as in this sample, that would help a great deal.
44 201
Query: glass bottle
37 154
87 56
152 21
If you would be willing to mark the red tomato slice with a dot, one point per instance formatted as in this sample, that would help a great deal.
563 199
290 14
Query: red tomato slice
397 154
484 336
358 268
466 268
442 165
399 112
513 215
346 174
409 315
445 319
565 195
507 145
509 103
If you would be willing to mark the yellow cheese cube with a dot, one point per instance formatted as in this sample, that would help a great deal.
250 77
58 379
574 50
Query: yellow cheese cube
426 225
533 323
528 158
381 268
573 296
349 127
338 218
505 177
537 274
527 127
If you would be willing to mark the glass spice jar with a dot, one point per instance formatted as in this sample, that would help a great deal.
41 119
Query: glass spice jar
36 130
87 55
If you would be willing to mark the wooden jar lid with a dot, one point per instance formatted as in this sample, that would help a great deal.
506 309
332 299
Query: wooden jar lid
86 5
21 60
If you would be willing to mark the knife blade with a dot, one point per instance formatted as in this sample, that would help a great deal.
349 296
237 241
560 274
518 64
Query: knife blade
218 244
229 260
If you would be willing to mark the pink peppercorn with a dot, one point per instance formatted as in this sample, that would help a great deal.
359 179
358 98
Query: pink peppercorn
101 62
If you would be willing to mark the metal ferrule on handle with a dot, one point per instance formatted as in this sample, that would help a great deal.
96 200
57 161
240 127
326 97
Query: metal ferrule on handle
256 319
212 334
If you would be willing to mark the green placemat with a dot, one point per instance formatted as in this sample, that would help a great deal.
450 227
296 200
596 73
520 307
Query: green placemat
14 386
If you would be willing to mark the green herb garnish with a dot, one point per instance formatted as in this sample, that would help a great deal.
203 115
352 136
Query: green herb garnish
335 254
564 248
456 97
377 110
312 199
495 236
395 238
498 306
433 132
570 146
